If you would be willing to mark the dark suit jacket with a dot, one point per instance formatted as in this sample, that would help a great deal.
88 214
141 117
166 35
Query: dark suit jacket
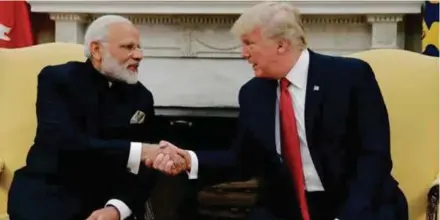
79 157
348 136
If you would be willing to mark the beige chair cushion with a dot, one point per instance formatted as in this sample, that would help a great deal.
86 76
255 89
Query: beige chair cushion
18 87
409 84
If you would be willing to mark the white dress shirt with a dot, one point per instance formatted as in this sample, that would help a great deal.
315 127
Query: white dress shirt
297 77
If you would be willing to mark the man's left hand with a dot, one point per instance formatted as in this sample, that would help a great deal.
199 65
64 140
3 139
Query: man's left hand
107 213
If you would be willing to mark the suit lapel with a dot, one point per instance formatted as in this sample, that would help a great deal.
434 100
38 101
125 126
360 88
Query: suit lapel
313 94
267 112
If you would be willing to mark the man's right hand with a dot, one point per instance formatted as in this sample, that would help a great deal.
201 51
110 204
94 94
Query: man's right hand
149 153
107 213
166 158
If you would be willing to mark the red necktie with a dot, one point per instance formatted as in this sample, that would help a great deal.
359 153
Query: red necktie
290 145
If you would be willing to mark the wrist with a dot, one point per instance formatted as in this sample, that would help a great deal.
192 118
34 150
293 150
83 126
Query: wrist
187 158
148 146
148 151
114 210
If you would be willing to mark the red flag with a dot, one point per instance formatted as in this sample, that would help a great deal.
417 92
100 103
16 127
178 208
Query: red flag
15 25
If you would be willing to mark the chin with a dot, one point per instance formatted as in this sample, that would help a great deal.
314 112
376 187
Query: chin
132 77
127 77
260 74
131 80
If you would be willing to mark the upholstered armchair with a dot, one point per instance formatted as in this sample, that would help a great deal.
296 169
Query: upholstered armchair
409 83
18 78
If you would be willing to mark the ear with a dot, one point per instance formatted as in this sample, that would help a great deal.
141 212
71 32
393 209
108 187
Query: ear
96 50
281 49
283 46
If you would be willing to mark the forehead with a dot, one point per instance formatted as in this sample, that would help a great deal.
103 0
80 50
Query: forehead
254 34
122 32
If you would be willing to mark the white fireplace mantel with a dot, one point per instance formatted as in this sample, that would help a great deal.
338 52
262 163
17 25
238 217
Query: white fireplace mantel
212 71
223 7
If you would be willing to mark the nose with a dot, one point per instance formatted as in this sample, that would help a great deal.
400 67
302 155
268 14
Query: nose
137 55
244 53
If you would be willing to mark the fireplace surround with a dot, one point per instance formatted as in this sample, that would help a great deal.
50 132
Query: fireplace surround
180 198
188 46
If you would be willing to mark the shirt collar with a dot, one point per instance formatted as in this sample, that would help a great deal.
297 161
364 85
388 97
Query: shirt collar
298 74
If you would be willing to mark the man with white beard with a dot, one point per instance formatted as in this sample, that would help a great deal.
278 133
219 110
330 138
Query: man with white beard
94 126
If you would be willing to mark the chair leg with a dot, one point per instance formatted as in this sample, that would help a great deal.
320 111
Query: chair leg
433 203
149 212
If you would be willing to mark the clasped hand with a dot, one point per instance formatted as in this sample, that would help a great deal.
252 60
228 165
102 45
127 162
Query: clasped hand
166 158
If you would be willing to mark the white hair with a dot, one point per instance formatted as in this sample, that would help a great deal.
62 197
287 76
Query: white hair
277 20
98 30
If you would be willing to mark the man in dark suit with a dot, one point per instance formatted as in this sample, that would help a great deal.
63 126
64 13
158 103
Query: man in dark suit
94 123
312 128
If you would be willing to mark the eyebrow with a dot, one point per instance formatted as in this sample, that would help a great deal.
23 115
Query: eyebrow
130 44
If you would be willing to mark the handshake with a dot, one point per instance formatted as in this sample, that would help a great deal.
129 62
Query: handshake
166 158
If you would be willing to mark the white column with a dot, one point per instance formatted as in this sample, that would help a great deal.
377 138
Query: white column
69 28
384 31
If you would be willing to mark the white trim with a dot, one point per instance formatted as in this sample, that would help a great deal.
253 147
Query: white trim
223 7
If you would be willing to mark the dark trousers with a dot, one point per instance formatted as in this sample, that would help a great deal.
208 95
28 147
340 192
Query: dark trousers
16 217
318 204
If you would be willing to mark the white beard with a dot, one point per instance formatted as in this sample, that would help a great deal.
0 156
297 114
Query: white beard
111 68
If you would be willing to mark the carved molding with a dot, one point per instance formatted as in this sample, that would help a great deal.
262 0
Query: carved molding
223 7
333 19
214 42
384 30
228 20
178 19
384 18
81 18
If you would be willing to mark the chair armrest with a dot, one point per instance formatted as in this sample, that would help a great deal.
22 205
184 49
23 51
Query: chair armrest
433 201
2 166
